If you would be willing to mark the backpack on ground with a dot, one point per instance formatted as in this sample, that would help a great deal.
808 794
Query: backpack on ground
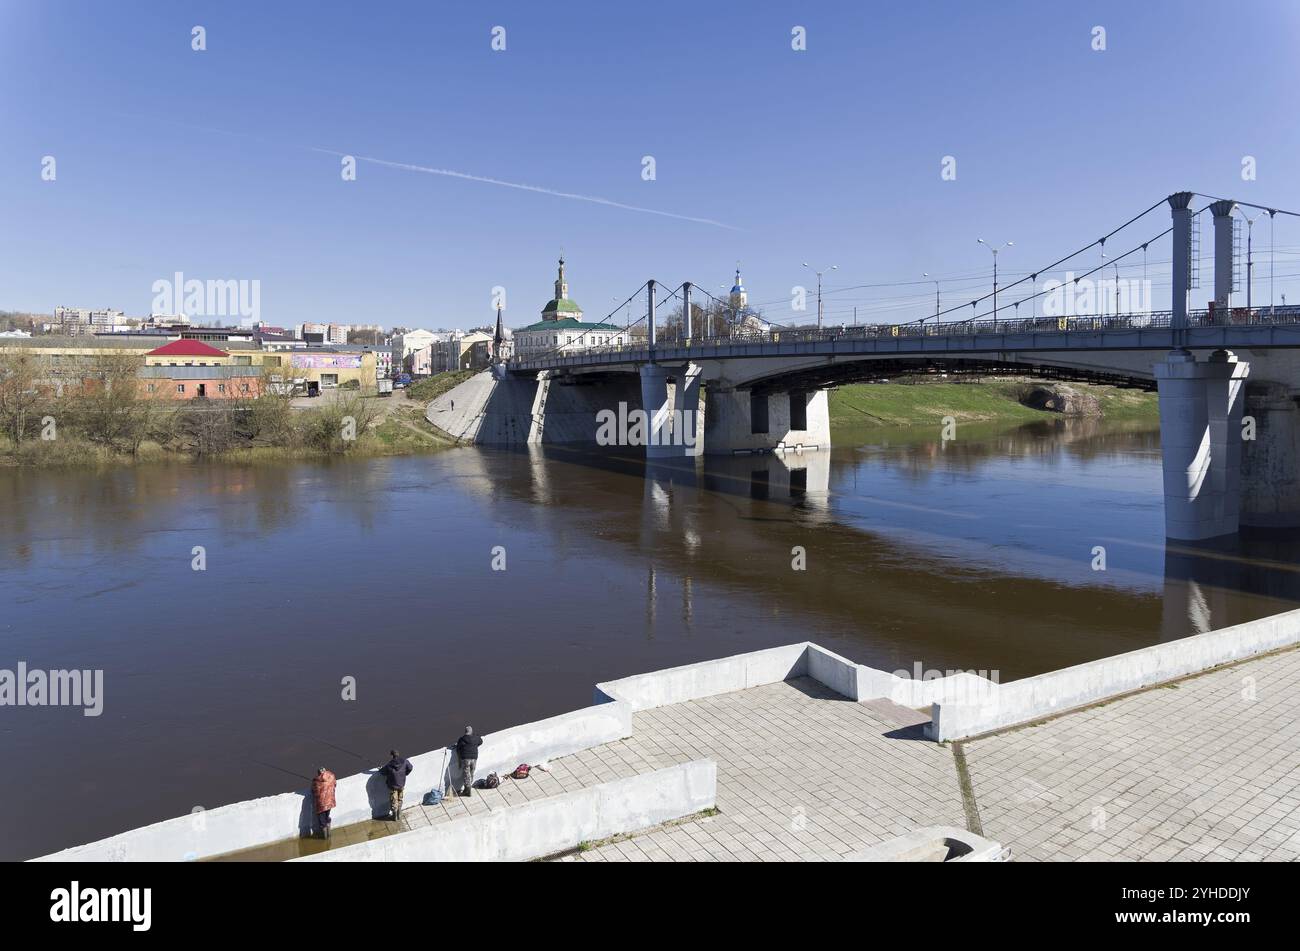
433 797
490 781
521 772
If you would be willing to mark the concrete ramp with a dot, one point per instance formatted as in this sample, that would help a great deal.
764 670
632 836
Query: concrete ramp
489 411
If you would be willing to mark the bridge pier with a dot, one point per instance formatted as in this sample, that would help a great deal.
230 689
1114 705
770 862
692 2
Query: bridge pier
763 421
658 410
1270 464
672 417
686 407
1201 407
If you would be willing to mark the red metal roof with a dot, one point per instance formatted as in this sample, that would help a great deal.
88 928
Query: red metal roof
187 348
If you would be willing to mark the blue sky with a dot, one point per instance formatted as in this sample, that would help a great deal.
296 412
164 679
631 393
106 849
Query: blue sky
205 163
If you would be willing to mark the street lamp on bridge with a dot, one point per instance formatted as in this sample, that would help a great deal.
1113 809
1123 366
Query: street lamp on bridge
1250 263
1009 244
833 267
926 274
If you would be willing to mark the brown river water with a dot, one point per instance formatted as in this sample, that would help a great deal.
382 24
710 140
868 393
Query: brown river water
226 683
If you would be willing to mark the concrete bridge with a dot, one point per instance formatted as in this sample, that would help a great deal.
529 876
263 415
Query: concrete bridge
1229 451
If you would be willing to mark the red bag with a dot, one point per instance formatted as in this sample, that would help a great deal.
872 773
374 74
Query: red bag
521 772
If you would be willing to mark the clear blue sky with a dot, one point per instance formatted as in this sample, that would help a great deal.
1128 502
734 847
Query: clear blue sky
174 160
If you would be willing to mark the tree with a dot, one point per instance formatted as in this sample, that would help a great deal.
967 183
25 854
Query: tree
19 392
108 406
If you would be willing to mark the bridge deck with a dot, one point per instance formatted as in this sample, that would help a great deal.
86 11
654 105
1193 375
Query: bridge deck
1257 330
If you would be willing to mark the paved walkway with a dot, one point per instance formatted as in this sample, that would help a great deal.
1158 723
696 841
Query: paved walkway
1207 768
803 774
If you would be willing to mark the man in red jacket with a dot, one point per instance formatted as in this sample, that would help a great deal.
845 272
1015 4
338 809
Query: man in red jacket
322 794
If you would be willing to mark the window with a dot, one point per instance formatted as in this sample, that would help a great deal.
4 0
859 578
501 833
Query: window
180 387
243 387
150 387
221 387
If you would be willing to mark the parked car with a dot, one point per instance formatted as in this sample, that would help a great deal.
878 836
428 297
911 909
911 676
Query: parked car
402 379
385 387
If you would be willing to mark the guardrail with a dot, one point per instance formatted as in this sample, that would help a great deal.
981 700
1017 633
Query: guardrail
1088 323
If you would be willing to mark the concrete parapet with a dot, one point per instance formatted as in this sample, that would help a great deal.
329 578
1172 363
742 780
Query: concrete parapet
707 678
548 826
933 844
1033 698
362 796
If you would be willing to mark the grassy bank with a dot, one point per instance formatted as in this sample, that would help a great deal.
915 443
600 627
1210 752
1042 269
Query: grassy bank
265 430
993 401
426 391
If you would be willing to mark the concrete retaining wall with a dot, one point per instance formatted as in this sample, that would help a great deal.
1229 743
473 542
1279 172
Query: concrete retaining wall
707 679
1022 701
257 822
551 825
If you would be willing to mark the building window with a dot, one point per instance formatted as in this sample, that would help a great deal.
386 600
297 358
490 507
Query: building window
180 387
243 388
221 387
150 387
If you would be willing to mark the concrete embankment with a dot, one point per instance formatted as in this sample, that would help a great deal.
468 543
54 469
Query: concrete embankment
504 410
963 705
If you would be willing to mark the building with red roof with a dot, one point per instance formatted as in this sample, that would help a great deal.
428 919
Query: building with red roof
187 353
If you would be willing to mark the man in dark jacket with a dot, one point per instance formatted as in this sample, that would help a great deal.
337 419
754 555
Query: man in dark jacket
467 752
395 773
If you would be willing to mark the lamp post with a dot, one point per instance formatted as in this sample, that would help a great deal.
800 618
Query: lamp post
1009 244
833 267
926 274
1271 213
1250 264
1116 263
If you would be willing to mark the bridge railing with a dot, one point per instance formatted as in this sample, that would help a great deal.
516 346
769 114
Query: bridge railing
1088 323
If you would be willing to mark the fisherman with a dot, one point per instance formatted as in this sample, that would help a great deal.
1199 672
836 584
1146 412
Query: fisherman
322 794
467 752
395 772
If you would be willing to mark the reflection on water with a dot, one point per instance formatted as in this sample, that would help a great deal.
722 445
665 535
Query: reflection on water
225 684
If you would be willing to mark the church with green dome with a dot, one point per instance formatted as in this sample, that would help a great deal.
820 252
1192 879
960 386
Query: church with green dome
561 306
561 327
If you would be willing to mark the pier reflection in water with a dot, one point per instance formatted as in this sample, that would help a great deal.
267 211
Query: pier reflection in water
225 684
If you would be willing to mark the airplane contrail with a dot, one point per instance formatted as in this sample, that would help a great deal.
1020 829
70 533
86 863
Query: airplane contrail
450 173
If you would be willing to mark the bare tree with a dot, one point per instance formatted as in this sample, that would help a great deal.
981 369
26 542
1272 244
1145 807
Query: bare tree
20 395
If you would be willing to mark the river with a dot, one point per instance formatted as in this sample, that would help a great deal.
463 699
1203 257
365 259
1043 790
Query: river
895 549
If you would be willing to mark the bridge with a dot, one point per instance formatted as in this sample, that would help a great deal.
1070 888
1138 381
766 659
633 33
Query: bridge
760 391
